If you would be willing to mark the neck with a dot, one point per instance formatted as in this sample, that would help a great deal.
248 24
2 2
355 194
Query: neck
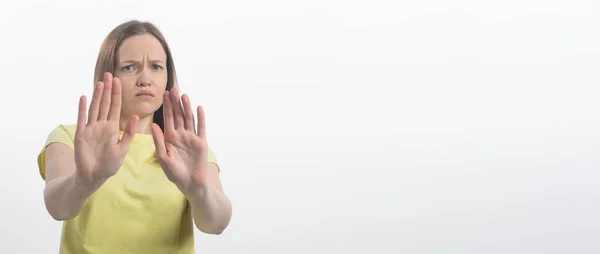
143 125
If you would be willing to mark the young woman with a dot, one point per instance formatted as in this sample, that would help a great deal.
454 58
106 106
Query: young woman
135 174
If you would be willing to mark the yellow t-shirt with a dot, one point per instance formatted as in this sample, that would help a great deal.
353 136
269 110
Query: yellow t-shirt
138 210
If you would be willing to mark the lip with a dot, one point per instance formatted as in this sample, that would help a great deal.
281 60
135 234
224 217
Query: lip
144 93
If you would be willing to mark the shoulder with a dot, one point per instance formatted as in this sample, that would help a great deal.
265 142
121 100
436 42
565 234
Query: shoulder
69 128
64 133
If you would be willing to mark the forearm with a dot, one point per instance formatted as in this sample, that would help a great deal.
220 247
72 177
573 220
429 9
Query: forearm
66 196
211 209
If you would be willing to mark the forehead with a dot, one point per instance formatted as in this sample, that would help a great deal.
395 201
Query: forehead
141 46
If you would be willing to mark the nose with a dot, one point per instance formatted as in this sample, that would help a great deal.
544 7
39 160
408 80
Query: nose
143 79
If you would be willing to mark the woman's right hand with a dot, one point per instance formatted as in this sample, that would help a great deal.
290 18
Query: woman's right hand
99 148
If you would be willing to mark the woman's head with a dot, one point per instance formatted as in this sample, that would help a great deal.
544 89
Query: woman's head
138 54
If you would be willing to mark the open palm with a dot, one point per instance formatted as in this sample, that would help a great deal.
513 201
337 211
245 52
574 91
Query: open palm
181 150
99 149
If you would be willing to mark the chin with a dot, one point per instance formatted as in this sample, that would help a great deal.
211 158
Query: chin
144 112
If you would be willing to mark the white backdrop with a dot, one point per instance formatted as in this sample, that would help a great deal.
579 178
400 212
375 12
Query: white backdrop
376 126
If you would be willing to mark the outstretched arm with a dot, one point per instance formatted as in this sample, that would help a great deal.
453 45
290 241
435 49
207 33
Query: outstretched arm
74 174
182 152
65 194
211 208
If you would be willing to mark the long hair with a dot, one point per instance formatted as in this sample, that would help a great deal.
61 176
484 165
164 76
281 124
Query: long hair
107 57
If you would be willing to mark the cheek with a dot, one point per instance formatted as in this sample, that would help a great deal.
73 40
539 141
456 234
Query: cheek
159 97
162 80
161 84
127 86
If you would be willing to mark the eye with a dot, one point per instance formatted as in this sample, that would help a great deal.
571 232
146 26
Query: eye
127 68
157 67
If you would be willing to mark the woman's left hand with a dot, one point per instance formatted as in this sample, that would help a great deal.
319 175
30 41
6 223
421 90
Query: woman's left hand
182 151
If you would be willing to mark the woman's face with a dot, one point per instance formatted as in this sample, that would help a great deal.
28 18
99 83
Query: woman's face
142 69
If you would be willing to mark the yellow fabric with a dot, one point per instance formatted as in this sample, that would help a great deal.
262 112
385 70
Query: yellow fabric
138 210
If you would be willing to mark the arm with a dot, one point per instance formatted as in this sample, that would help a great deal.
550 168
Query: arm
211 208
65 193
74 174
187 161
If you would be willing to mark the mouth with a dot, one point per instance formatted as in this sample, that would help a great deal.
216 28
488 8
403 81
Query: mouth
144 94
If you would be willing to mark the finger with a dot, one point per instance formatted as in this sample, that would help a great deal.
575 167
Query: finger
95 104
115 108
159 142
201 122
188 118
167 112
128 133
105 103
81 115
177 110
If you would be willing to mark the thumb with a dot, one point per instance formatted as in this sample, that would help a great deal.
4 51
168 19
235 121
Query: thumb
159 141
128 133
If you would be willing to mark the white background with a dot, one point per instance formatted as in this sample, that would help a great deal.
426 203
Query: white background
343 126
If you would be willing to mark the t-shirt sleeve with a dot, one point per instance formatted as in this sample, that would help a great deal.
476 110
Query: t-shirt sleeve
60 134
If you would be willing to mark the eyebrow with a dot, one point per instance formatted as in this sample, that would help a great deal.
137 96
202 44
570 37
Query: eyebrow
138 62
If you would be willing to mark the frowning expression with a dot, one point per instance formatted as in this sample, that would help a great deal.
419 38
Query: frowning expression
142 69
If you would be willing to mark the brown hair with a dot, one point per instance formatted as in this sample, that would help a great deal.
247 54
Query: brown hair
107 57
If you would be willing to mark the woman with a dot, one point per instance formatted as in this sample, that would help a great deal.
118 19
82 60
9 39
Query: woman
134 175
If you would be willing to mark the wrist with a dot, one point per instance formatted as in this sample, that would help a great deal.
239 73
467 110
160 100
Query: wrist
195 185
197 194
83 183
